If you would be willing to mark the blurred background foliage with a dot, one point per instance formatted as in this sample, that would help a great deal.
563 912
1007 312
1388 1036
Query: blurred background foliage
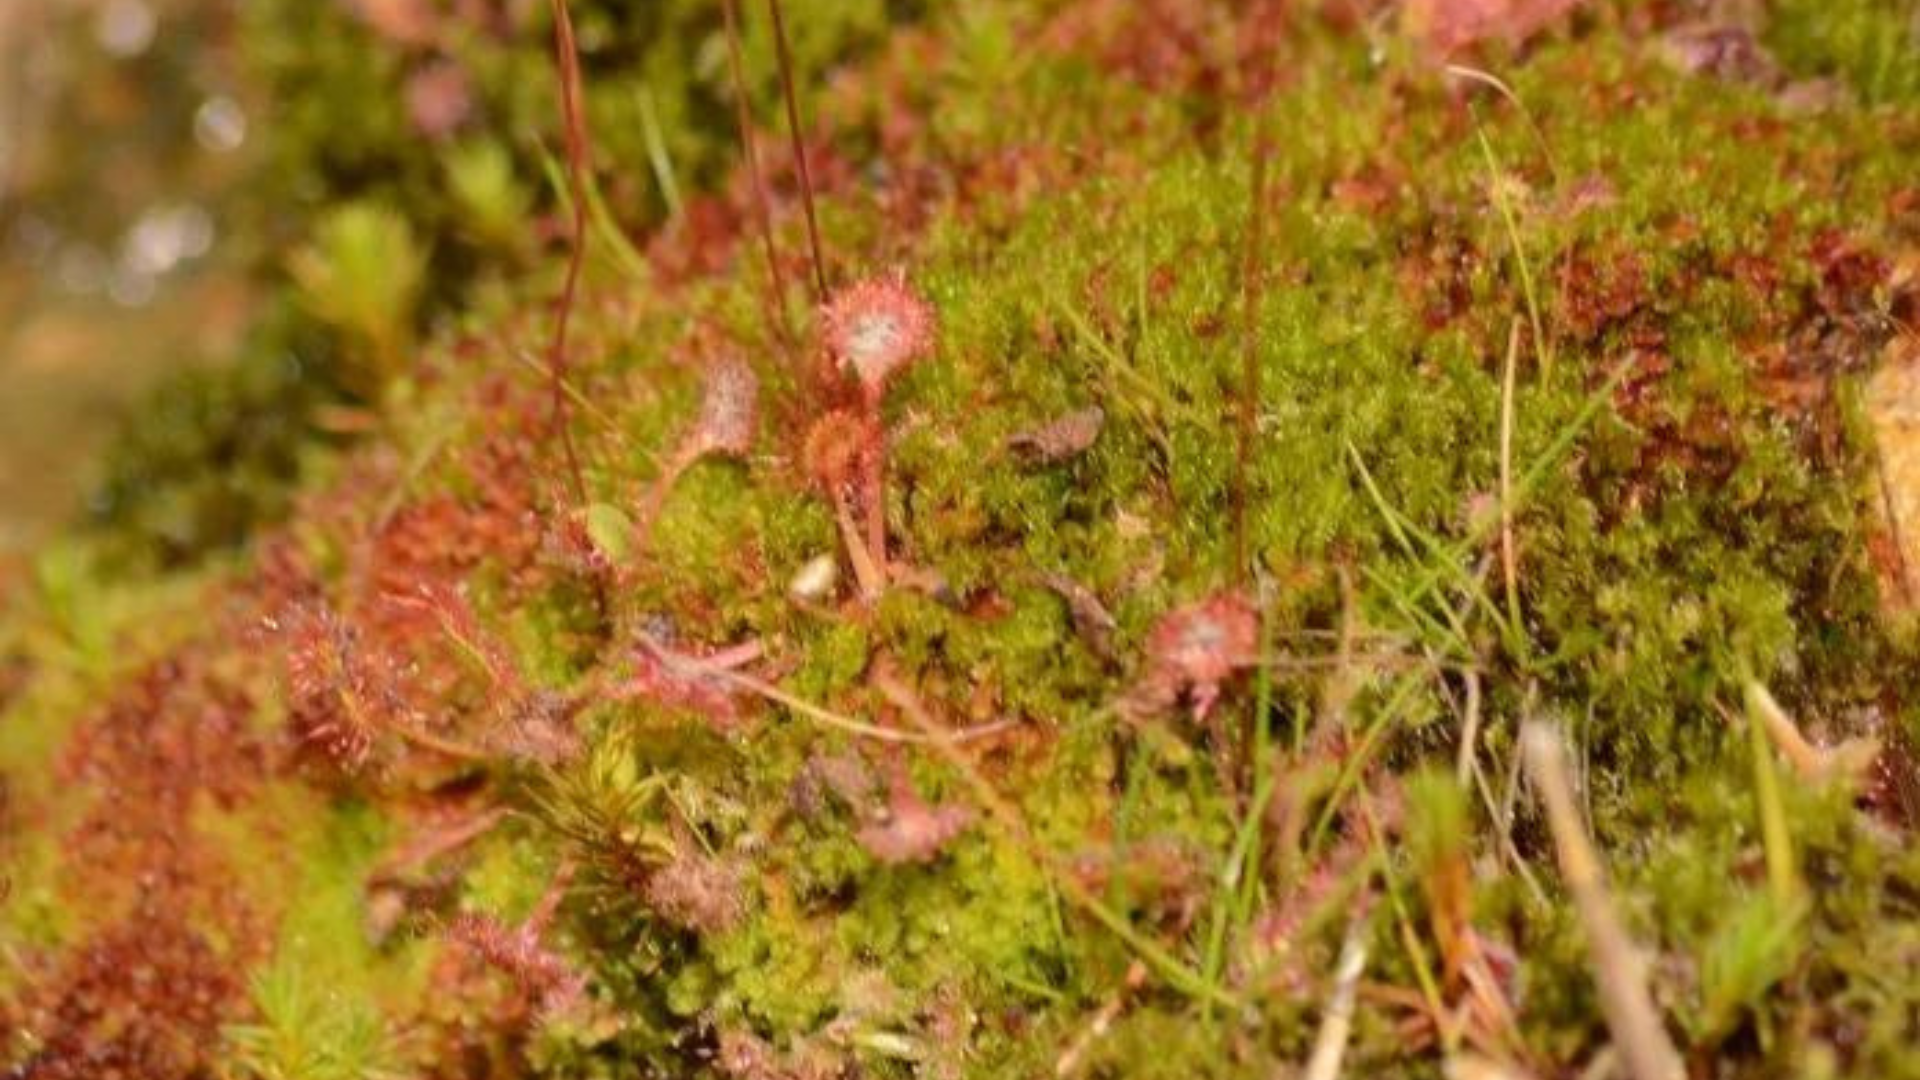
223 224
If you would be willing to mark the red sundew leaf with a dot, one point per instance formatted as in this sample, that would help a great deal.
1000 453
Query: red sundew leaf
913 830
455 617
833 449
1192 650
1447 26
729 416
1065 437
439 98
402 22
678 680
874 328
341 696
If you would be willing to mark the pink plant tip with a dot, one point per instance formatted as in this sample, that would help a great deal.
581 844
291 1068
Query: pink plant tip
875 327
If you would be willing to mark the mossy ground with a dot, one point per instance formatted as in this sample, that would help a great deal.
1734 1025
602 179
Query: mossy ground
1687 273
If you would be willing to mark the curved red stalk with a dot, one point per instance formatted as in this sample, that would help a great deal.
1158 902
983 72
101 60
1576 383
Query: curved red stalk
799 151
578 151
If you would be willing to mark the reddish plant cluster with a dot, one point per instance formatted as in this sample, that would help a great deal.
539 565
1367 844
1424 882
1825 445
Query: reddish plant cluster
678 680
437 611
743 1055
697 893
176 738
901 828
144 993
1163 875
341 697
1177 45
548 982
382 676
1192 651
910 829
1598 290
871 330
1448 26
143 999
494 520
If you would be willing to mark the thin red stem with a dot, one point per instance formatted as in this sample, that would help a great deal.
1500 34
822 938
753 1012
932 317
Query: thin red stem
799 151
578 153
777 280
875 479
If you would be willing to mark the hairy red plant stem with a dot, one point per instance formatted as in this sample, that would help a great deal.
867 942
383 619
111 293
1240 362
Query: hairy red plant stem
874 477
425 850
578 152
799 151
656 496
445 747
763 211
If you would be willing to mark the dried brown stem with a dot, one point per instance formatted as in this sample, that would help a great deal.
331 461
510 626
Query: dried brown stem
1336 1026
1509 565
871 578
1618 970
1850 759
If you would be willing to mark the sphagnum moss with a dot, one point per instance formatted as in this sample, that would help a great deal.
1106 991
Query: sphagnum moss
1098 889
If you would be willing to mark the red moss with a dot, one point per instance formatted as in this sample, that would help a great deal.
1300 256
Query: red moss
1177 45
144 993
143 1000
1599 290
175 737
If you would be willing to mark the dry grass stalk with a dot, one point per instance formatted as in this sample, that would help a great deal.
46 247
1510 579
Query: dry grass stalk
1336 1027
1618 969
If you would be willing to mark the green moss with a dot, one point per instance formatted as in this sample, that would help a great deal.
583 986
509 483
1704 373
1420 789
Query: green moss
1868 44
323 1005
